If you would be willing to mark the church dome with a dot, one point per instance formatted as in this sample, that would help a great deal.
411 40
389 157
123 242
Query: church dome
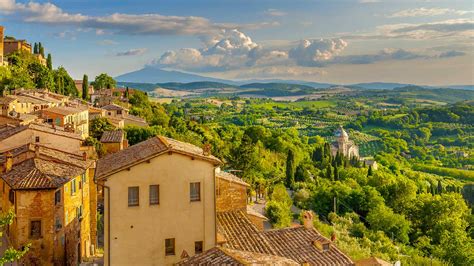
341 133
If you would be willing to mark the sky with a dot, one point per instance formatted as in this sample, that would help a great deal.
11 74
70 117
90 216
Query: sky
339 41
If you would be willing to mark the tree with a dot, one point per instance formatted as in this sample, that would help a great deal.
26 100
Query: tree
98 125
35 48
49 62
370 171
290 168
382 218
104 81
336 173
41 49
10 254
85 87
318 154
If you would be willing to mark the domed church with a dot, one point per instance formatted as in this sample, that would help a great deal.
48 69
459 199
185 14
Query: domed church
344 145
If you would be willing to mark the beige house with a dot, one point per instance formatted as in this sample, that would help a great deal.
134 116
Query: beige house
74 118
159 202
116 111
43 134
343 145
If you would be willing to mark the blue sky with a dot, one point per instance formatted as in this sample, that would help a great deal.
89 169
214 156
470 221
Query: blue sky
422 42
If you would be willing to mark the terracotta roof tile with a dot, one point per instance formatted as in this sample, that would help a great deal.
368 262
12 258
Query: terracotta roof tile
145 150
232 178
114 107
241 234
225 256
6 100
7 132
113 136
297 243
66 110
37 173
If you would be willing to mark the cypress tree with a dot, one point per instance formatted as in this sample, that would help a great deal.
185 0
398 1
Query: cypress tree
49 62
85 87
318 154
35 48
328 172
290 169
440 187
336 173
369 172
327 150
41 49
126 93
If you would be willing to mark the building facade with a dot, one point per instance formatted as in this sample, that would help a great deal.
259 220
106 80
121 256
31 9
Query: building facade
2 58
49 192
343 145
159 192
74 118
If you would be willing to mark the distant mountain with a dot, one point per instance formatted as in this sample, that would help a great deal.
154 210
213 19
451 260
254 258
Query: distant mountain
156 75
380 85
195 85
276 86
180 80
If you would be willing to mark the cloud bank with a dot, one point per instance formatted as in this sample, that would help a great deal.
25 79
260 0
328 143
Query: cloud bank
131 24
233 50
132 52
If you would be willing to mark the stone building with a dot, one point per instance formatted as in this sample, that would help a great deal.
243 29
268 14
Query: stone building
159 202
343 145
115 111
49 192
114 141
12 45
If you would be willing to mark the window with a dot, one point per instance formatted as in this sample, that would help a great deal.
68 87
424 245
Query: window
198 247
84 179
11 196
57 224
37 139
195 191
79 212
35 229
73 186
169 246
119 112
133 194
326 246
57 197
154 194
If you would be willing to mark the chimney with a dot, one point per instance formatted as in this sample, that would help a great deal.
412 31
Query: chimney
84 156
37 151
8 162
308 219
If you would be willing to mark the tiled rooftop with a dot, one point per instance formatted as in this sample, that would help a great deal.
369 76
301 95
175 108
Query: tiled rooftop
145 150
232 178
296 243
10 131
114 107
241 234
113 136
66 110
225 256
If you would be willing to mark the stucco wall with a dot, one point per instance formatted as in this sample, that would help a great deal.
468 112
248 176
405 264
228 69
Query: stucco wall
46 139
138 234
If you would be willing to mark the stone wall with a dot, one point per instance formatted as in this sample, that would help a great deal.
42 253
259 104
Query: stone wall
230 196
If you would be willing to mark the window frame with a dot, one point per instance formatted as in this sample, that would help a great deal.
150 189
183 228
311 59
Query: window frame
193 197
73 187
57 197
138 196
196 247
31 236
173 251
157 202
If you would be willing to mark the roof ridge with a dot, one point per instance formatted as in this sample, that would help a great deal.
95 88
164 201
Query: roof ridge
164 141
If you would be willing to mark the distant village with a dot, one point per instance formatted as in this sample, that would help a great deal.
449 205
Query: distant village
162 201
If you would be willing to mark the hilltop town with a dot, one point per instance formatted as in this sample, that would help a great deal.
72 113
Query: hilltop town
98 173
